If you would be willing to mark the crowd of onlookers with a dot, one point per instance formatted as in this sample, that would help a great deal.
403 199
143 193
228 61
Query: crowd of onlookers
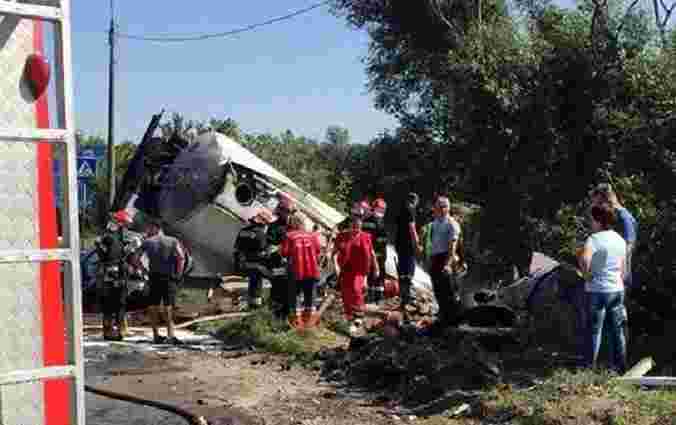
604 263
283 247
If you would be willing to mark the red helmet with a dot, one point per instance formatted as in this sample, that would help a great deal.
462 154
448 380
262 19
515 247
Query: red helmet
379 206
122 217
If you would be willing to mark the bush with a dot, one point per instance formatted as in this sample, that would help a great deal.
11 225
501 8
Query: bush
263 331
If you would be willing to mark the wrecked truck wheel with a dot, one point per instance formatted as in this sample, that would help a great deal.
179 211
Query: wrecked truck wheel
484 296
244 194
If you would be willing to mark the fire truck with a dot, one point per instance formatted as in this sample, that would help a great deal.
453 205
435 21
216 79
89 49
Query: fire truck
41 362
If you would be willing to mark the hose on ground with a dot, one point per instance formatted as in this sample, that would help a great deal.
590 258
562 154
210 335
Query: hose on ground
189 417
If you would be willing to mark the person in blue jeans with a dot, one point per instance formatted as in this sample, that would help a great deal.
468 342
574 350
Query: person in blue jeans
602 260
627 227
625 224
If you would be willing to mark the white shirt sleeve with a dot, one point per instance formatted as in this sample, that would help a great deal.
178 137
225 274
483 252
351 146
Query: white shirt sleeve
179 249
590 245
455 230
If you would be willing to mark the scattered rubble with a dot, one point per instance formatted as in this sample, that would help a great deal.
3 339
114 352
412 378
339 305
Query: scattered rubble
413 369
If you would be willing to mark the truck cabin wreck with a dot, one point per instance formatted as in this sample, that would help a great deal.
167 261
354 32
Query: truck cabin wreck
207 189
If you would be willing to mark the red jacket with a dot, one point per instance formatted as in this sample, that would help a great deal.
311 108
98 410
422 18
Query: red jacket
354 252
302 248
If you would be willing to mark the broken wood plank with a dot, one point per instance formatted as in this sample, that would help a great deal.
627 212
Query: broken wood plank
375 311
650 381
485 331
640 368
212 318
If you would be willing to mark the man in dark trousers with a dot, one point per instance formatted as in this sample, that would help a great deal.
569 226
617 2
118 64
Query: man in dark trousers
374 224
112 275
444 261
280 281
250 254
408 245
166 261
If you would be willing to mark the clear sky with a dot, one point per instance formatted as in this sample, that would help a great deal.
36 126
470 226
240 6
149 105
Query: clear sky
302 74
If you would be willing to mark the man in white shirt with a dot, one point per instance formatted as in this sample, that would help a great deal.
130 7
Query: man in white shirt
444 234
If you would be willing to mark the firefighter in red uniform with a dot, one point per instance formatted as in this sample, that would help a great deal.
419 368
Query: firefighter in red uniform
302 248
354 258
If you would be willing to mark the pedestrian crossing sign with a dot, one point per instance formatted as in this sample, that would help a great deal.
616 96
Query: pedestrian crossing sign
86 168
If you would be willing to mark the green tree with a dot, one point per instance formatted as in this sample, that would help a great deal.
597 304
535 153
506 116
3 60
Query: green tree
97 215
178 124
524 114
228 126
84 140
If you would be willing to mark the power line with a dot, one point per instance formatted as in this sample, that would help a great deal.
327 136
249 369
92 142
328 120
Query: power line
181 38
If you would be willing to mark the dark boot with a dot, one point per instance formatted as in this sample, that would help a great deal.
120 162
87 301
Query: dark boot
108 330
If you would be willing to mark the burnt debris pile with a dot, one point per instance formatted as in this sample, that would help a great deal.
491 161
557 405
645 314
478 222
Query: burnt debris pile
412 368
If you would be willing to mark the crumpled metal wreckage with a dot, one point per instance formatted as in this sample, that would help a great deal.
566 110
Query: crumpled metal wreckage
205 190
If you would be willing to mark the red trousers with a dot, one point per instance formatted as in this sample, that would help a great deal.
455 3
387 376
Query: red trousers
352 290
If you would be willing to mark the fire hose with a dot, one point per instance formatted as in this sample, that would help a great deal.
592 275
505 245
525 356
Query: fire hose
191 418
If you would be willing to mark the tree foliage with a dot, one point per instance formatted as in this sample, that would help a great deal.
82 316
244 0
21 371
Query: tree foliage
522 116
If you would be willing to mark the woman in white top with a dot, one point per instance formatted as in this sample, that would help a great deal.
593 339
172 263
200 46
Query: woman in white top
602 260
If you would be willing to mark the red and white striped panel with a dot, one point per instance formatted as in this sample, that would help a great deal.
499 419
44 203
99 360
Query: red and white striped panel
32 324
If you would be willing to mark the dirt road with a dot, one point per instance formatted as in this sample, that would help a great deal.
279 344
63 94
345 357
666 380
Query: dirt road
239 386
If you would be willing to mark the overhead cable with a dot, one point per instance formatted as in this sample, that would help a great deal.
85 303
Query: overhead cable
173 38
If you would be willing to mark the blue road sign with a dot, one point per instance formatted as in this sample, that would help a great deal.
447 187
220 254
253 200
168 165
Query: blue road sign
87 161
86 167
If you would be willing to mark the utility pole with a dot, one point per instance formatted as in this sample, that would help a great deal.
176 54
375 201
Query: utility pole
111 107
481 30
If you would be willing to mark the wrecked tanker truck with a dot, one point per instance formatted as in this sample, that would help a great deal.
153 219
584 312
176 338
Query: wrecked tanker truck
206 189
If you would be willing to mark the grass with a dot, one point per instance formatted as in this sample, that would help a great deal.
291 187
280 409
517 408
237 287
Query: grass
340 327
210 327
570 398
593 397
186 295
266 333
